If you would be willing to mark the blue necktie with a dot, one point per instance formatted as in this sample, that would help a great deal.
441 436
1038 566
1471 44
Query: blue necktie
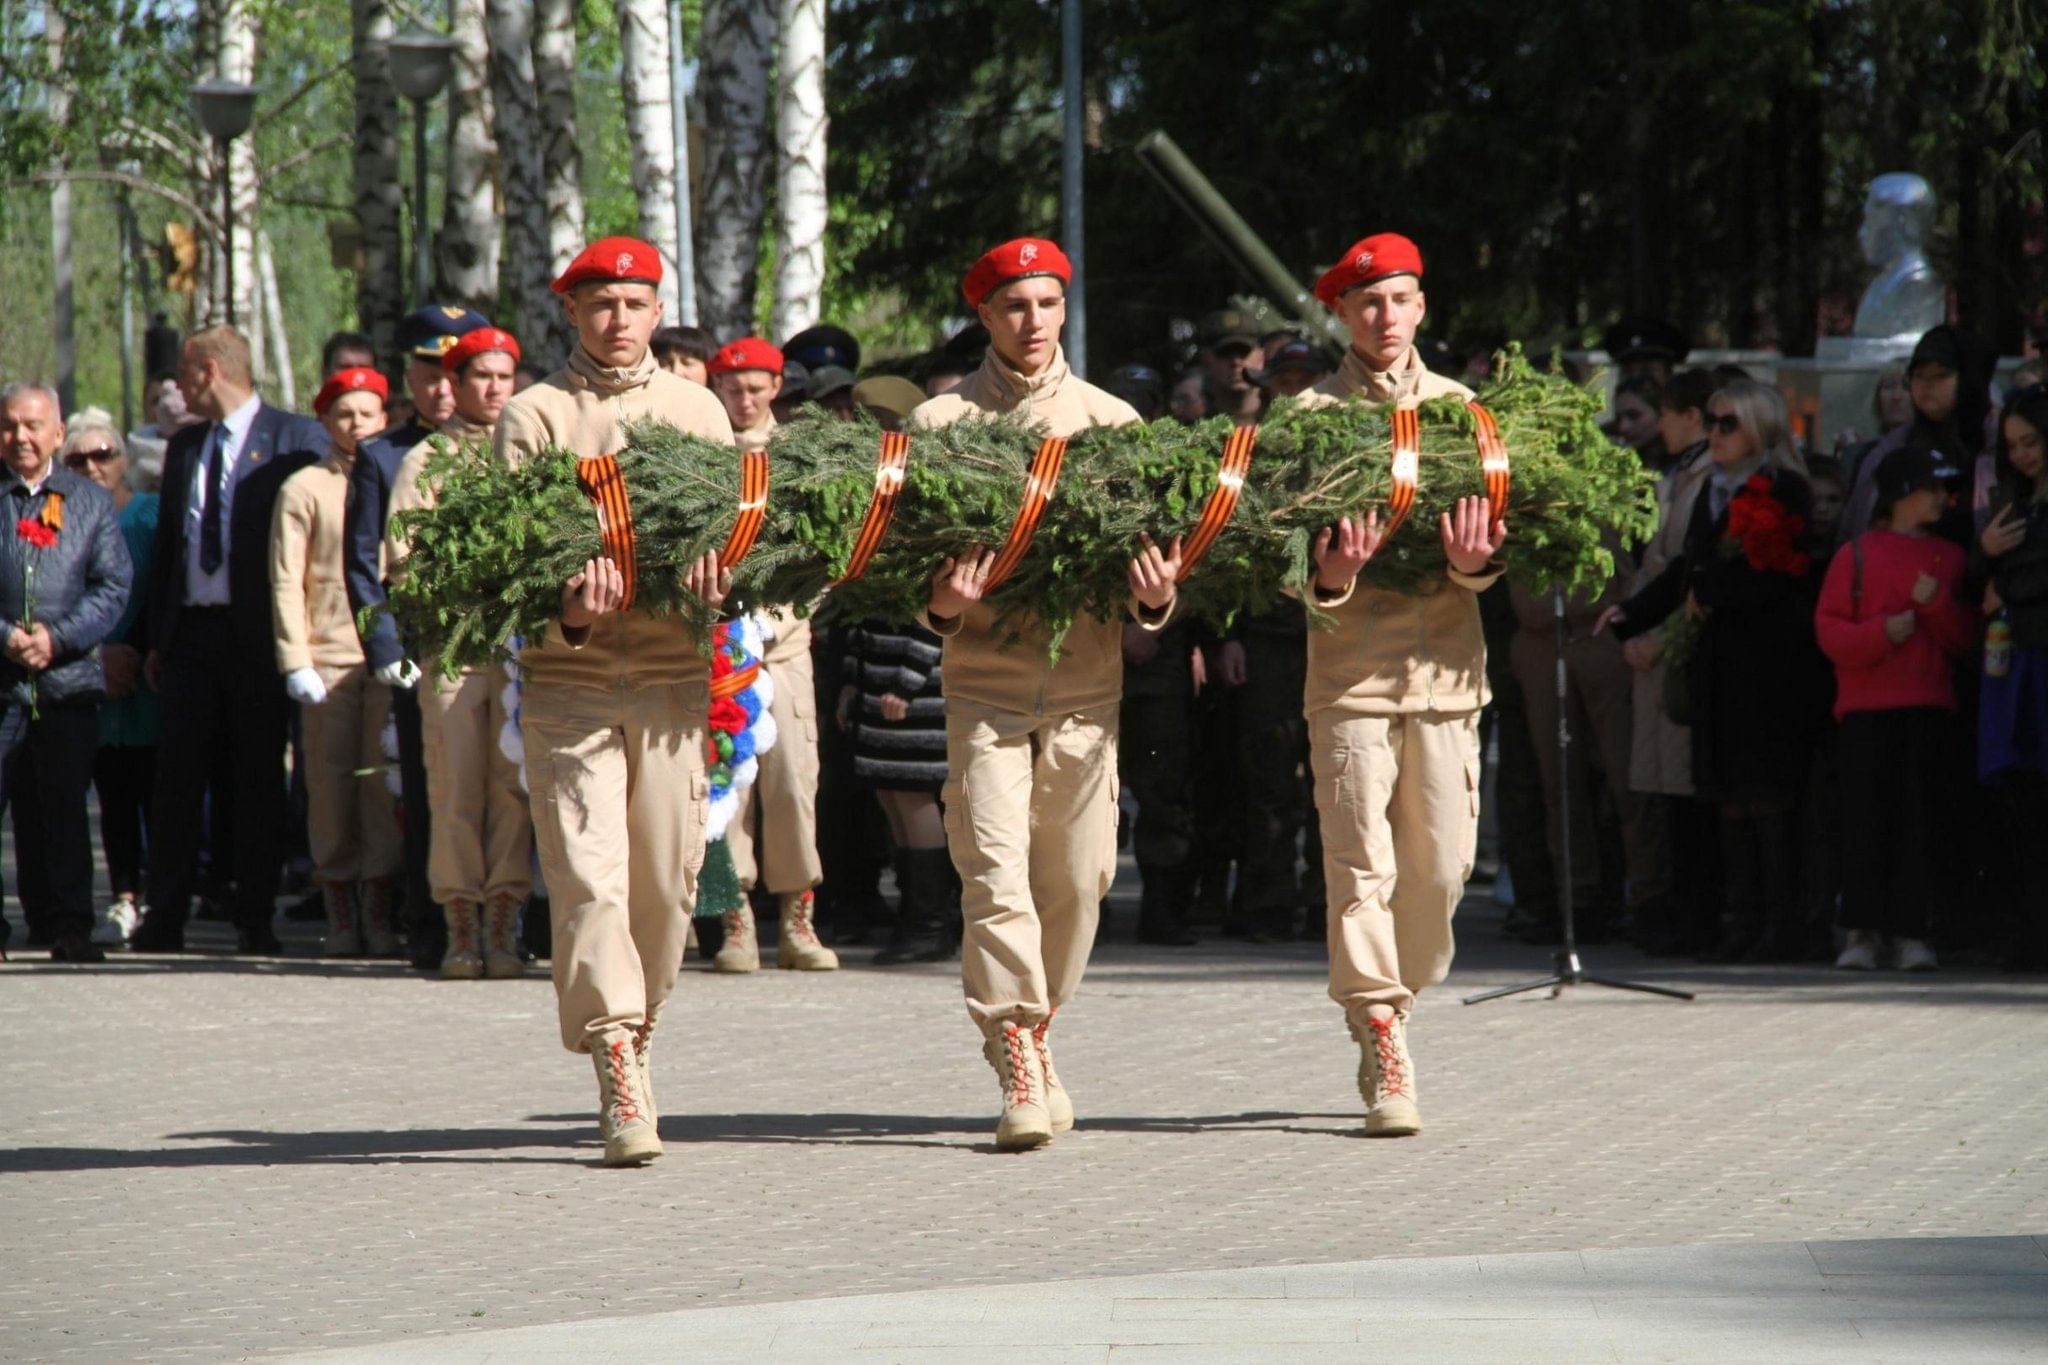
209 503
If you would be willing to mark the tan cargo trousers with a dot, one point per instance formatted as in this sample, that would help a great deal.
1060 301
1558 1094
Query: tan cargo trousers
775 840
351 820
482 833
1031 821
619 793
1399 801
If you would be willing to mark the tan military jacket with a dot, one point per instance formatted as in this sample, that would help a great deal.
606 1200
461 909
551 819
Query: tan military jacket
308 599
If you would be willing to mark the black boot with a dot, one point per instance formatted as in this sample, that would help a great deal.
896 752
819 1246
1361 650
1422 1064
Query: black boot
1162 907
928 923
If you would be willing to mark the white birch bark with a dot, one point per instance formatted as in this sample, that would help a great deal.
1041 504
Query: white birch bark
237 62
271 305
800 205
380 285
467 252
650 131
527 261
732 85
64 314
554 71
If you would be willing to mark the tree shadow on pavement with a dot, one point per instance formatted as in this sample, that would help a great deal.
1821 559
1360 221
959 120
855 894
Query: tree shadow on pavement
919 1130
251 1147
124 964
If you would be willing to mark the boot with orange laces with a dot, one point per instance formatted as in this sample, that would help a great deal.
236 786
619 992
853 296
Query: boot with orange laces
1014 1055
624 1116
796 944
1386 1077
1058 1107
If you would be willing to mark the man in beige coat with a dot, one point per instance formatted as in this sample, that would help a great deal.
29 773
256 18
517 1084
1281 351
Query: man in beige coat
614 708
350 815
1393 700
477 852
774 838
1031 790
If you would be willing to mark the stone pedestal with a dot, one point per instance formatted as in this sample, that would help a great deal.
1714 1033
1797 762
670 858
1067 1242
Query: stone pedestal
1832 395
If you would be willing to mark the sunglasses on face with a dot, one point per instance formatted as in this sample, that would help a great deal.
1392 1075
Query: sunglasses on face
1727 423
97 455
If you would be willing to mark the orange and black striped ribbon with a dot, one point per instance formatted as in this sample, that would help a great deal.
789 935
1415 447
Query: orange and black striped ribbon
1038 490
895 458
605 486
1493 459
1407 448
735 682
753 509
1222 503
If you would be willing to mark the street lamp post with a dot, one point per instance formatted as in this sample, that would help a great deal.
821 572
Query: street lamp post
225 110
421 63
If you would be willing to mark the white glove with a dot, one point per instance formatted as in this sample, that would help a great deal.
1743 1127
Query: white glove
399 673
303 685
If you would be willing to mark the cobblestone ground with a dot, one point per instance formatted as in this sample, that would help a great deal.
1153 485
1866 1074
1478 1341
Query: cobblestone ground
207 1157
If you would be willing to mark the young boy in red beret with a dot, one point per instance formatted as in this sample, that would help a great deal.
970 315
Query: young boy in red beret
1031 790
614 707
351 824
1393 700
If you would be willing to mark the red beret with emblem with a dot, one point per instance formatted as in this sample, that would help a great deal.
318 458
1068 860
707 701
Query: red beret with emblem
1012 261
612 260
1368 259
470 345
355 379
748 353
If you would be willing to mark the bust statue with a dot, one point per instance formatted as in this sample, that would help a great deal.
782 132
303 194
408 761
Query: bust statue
1907 297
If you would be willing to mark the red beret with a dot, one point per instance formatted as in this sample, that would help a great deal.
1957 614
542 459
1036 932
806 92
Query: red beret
356 379
1018 260
1368 259
470 345
612 260
748 353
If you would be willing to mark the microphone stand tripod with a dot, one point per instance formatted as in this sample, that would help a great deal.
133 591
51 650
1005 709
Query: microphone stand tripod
1565 968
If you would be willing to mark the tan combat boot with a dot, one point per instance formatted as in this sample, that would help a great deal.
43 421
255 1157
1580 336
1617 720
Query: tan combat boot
1058 1107
342 939
643 1052
501 939
742 950
1386 1078
797 946
1025 1123
622 1113
380 933
461 962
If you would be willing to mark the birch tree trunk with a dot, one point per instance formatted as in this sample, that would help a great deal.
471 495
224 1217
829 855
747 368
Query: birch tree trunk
651 133
536 316
732 83
380 287
468 246
237 62
271 308
60 226
554 72
800 203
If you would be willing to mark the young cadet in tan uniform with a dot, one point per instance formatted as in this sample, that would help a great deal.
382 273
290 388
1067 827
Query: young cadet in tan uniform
1031 790
1393 700
477 859
351 817
775 837
614 708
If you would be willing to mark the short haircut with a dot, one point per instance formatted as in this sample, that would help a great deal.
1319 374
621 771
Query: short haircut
21 388
692 343
345 341
1827 469
228 348
89 422
1688 390
1644 386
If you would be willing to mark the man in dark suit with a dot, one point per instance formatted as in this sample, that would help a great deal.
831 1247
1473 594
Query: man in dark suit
423 336
212 652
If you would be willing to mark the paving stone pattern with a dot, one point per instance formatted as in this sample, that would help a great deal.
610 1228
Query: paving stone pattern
207 1157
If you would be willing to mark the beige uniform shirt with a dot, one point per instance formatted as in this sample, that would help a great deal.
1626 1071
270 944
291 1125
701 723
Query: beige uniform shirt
308 599
1394 653
983 662
410 494
585 408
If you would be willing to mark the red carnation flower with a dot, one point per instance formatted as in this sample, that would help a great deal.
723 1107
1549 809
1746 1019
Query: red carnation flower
35 533
728 715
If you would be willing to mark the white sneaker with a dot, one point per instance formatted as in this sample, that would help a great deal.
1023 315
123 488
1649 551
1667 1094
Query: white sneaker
1915 955
117 921
1860 953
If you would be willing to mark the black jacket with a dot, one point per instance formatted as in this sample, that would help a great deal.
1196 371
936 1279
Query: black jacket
2021 573
81 585
282 443
362 537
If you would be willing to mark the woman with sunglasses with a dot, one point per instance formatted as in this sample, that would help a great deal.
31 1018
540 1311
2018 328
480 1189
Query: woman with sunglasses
1756 684
124 769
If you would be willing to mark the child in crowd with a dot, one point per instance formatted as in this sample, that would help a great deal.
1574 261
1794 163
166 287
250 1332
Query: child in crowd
1891 621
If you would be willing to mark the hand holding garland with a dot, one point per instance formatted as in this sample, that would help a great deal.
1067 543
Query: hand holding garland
1471 537
1342 550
